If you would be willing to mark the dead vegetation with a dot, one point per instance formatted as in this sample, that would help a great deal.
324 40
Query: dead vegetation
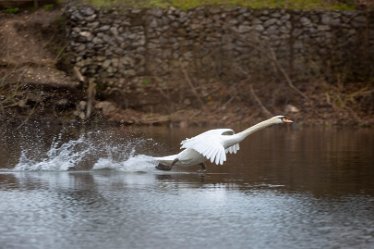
32 87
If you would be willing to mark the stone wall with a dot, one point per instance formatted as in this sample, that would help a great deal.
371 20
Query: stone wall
116 46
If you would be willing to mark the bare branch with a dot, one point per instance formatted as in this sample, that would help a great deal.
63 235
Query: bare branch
188 79
78 74
281 69
258 101
28 117
91 92
270 54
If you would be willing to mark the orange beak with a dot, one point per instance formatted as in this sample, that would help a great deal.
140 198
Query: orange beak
286 120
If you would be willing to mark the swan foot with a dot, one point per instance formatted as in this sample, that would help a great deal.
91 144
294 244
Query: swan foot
203 168
164 167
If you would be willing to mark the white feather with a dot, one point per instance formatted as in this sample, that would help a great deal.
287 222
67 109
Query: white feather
209 145
213 145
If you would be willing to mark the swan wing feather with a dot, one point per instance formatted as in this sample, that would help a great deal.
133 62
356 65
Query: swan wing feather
206 135
209 145
233 149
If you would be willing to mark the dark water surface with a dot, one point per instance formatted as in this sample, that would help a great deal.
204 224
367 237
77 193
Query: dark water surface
286 188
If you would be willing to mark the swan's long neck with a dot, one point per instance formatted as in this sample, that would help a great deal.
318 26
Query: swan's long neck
238 137
253 129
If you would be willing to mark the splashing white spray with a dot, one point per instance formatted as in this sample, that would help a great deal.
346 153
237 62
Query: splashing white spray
83 151
138 163
58 158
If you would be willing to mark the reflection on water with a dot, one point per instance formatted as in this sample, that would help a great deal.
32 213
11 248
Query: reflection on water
309 188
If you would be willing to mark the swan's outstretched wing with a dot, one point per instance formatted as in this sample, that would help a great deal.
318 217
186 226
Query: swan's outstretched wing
209 144
233 149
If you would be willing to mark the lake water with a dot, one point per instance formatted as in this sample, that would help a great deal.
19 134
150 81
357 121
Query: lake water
286 188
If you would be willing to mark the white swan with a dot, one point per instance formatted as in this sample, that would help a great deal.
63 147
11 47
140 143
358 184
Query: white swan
212 145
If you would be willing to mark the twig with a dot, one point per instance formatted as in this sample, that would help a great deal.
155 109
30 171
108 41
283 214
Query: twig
170 106
227 102
285 74
91 92
258 101
78 74
272 56
62 50
28 117
10 99
193 89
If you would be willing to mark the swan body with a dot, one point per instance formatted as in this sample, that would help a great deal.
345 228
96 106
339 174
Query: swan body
212 145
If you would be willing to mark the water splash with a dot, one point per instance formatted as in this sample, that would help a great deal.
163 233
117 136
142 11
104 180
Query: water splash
85 153
58 157
137 163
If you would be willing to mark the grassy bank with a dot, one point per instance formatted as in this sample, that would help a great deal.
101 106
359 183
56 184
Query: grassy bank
258 4
16 7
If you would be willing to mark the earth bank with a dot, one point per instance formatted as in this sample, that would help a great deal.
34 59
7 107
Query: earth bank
39 83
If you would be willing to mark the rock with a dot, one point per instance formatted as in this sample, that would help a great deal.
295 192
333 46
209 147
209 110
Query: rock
76 16
114 31
233 22
107 38
244 29
298 44
62 103
182 17
359 21
82 115
22 103
153 45
106 63
90 18
155 41
128 61
118 51
87 11
306 21
136 11
104 28
81 48
272 30
87 35
106 107
100 58
270 22
82 105
258 27
93 25
130 72
115 62
297 32
325 19
291 109
323 27
156 12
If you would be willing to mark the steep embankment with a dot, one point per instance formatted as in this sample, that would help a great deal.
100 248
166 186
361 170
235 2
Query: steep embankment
32 87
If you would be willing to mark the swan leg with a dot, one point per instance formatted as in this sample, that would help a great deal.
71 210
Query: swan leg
164 167
161 166
203 167
174 162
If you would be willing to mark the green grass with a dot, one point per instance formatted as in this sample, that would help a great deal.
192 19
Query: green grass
48 7
11 10
257 4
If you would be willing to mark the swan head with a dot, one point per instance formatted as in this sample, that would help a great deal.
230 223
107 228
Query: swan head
280 119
